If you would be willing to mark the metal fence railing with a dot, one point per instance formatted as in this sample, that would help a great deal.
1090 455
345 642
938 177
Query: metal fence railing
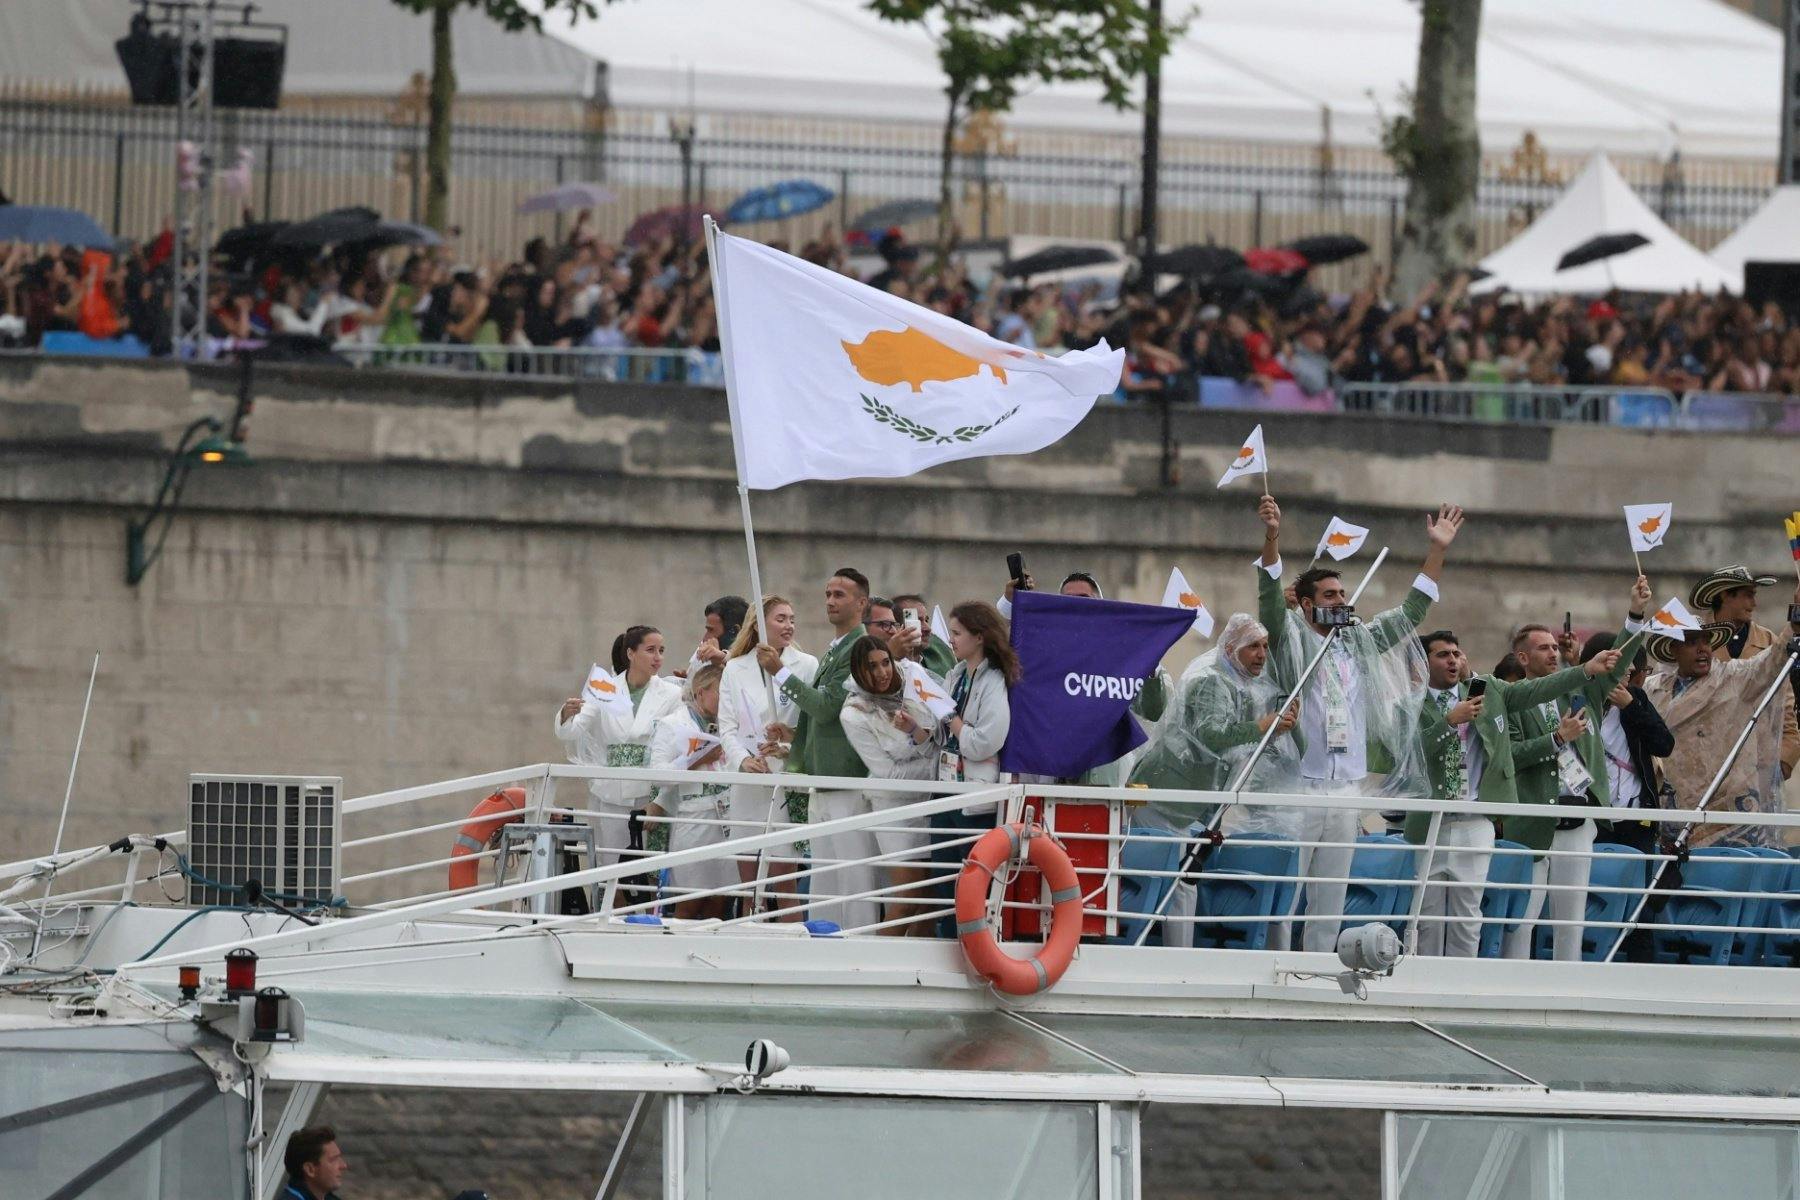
117 163
625 365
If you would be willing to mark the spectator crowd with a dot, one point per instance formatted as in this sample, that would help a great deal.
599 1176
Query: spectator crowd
586 292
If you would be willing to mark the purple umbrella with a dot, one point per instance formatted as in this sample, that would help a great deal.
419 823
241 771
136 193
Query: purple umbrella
568 197
674 221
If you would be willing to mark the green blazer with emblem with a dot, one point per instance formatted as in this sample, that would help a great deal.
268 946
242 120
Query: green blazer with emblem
820 745
1534 748
1443 745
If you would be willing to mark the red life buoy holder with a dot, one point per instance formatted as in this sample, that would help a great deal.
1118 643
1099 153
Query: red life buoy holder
1018 976
485 820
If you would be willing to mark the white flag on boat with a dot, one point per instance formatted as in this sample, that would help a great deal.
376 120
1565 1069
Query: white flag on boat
1341 539
1179 595
698 746
604 688
1648 524
922 687
1673 618
832 379
1251 459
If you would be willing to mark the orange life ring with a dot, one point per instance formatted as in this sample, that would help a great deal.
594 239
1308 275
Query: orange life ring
1018 976
485 820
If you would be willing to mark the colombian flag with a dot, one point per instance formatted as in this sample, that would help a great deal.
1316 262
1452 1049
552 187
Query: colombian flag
1793 532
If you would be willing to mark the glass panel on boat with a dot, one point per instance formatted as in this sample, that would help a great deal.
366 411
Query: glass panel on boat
826 1148
1605 1060
1376 1051
859 1037
499 1028
1457 1157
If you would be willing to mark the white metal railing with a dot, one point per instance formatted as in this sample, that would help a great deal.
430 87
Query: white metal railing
625 364
771 881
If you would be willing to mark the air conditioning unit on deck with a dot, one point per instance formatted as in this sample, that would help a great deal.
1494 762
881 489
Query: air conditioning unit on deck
281 830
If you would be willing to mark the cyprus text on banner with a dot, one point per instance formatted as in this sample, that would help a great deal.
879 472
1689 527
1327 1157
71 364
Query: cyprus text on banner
833 379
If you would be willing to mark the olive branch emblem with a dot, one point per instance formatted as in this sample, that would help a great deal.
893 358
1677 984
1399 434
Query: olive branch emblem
926 434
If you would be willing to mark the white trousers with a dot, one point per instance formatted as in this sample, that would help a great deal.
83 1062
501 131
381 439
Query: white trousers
687 835
855 847
1323 899
1459 868
1563 905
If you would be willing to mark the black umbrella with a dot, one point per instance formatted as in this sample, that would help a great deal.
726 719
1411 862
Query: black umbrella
1324 248
1058 258
330 228
1199 262
1607 245
396 233
897 212
245 242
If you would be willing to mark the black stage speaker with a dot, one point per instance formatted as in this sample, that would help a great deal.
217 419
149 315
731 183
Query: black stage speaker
246 71
1777 281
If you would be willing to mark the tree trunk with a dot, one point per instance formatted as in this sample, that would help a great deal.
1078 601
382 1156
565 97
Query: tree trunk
437 138
1444 160
946 161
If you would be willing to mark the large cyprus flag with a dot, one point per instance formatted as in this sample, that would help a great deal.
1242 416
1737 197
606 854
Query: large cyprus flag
832 379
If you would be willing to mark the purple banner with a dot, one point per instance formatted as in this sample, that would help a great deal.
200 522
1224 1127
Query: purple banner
1084 663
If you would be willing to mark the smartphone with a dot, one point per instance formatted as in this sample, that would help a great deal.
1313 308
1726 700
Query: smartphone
1577 702
910 618
1015 568
1477 688
1568 624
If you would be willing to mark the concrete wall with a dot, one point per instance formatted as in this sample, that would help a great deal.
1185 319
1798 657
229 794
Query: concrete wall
416 569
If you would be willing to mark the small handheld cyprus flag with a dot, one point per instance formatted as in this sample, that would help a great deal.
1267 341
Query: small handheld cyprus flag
699 745
1648 525
1341 539
940 628
604 688
1179 595
1251 458
921 687
1672 618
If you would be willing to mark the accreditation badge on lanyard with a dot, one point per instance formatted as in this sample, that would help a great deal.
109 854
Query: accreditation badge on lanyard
1337 704
1571 773
950 758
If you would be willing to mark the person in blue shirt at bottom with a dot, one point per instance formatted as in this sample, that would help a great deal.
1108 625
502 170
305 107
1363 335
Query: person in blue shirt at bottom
315 1165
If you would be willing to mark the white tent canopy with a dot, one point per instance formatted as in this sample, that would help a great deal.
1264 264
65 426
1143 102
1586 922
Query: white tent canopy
1631 76
1599 202
1771 235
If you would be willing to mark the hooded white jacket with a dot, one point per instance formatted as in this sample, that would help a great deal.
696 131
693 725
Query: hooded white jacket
885 750
668 746
595 737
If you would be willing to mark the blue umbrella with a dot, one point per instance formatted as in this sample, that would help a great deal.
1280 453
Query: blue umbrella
789 198
35 224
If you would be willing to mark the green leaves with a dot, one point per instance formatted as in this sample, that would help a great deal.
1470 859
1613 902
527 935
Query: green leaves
886 415
512 15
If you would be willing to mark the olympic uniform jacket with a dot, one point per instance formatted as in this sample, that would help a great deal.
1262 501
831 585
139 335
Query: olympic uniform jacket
820 747
1442 743
1534 746
596 737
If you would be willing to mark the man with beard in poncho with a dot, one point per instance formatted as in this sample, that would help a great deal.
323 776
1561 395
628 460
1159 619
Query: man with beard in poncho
1361 703
1223 705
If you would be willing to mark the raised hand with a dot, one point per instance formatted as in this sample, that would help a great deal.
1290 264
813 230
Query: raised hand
570 707
768 658
1269 513
1640 596
1601 663
1571 727
1442 529
1466 711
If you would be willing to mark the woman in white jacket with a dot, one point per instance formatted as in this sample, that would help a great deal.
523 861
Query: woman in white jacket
879 720
597 735
696 811
744 714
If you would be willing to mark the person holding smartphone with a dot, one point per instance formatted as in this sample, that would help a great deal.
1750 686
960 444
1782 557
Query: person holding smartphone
1469 756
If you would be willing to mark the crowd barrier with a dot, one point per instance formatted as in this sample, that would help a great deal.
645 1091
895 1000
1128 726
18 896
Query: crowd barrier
1735 901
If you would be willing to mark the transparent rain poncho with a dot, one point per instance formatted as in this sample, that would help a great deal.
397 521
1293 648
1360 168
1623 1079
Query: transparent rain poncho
1211 729
1383 658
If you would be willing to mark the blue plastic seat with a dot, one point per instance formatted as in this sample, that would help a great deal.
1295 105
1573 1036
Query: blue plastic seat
1235 883
1783 949
1710 870
1774 875
1144 893
1614 866
1503 904
65 342
1380 858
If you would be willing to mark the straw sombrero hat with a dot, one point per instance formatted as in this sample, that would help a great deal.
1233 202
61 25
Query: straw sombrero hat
1706 593
1662 646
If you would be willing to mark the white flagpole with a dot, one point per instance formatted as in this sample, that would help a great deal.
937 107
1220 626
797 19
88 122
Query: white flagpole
737 440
